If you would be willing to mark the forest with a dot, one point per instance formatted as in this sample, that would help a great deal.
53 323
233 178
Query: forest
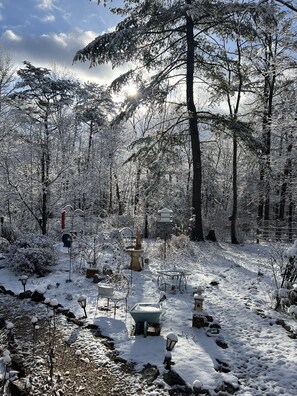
209 134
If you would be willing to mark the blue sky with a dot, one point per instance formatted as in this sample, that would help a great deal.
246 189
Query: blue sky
48 33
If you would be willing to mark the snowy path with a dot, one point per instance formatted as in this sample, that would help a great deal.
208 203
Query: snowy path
260 358
263 356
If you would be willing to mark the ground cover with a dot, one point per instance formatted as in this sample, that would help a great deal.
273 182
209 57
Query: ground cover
252 352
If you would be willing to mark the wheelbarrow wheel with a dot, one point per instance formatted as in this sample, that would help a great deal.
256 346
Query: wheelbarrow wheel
145 326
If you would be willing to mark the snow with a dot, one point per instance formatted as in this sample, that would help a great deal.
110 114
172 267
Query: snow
258 352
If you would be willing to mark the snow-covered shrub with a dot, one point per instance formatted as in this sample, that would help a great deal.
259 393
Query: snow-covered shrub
292 295
293 310
285 274
32 254
90 249
290 271
180 242
121 221
9 232
178 247
4 245
100 251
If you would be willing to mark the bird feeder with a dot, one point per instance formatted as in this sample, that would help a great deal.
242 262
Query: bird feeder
164 225
165 215
198 300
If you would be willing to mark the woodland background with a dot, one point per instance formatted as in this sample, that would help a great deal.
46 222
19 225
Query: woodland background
105 156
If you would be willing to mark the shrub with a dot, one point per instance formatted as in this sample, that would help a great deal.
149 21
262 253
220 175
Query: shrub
9 232
32 254
180 242
4 245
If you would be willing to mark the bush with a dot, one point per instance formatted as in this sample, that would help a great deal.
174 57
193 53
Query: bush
32 254
9 232
4 245
180 242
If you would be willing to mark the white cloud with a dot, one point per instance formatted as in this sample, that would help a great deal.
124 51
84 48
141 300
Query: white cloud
9 35
87 37
48 18
73 40
61 39
46 4
57 49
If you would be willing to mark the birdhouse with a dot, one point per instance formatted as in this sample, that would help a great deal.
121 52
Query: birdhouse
198 302
165 215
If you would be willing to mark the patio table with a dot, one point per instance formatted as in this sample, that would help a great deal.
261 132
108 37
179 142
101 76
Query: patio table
176 279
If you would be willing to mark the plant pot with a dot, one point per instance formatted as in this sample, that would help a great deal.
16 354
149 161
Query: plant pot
90 272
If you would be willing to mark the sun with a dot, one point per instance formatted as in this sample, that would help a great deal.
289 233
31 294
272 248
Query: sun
130 90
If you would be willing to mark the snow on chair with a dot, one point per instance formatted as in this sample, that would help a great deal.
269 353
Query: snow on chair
116 289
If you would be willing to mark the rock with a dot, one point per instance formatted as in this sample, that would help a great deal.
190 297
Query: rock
280 322
230 388
209 318
172 378
222 366
17 388
37 297
214 283
69 315
215 325
221 343
18 365
2 289
25 294
64 311
92 327
118 359
10 292
108 344
75 321
150 373
2 323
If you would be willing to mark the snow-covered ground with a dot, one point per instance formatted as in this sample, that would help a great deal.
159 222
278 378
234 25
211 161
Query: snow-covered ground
255 354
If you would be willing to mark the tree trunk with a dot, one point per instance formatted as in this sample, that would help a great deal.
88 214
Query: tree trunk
110 186
284 186
197 230
234 191
43 220
269 84
90 143
137 188
118 195
45 169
